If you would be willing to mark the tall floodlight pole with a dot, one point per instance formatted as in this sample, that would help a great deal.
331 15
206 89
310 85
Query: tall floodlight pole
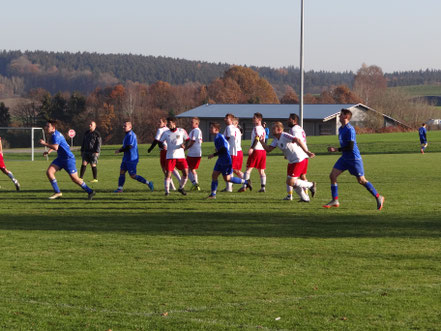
302 13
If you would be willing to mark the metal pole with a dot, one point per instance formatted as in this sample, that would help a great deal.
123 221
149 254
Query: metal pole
302 13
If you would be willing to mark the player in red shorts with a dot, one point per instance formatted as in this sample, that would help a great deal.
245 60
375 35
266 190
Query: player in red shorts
163 151
194 153
234 138
297 154
6 171
256 154
176 139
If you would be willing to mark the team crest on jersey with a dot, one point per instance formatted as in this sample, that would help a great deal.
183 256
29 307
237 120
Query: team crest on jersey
178 136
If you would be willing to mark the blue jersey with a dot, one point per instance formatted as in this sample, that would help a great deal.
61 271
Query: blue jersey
345 135
219 143
63 148
422 132
130 155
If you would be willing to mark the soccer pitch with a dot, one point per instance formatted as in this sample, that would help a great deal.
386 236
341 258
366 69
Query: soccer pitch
140 260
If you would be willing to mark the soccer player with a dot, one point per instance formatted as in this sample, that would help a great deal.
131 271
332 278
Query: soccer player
130 159
350 160
90 150
297 131
65 160
163 151
6 171
256 154
224 163
194 153
176 139
423 138
296 152
234 138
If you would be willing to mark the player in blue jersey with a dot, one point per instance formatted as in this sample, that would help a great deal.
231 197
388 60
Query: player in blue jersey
65 160
130 159
350 160
223 164
422 131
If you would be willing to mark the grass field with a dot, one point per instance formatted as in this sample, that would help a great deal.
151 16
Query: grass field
140 260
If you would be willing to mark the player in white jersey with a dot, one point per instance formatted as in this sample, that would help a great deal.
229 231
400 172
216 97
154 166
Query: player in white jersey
176 139
234 139
297 131
163 150
256 154
194 152
297 154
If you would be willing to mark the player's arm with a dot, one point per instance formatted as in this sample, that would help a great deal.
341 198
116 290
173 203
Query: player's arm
189 144
303 147
98 143
154 143
267 148
124 149
221 151
50 146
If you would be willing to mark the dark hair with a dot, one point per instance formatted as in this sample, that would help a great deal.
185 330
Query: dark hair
258 115
52 122
215 125
171 119
230 116
346 111
294 117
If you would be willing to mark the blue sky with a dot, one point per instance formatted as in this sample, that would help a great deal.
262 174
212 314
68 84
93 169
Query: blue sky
339 35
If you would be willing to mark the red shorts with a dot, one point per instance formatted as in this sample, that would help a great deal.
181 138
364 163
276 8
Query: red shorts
163 158
2 163
257 160
237 161
193 162
181 164
297 169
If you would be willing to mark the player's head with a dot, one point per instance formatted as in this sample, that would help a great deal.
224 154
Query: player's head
293 120
162 122
195 122
236 121
214 128
277 129
345 116
51 125
423 125
229 119
171 122
92 126
257 118
127 126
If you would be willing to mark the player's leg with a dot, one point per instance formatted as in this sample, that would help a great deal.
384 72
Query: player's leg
122 177
11 177
246 176
184 178
50 173
94 172
262 180
334 188
214 183
135 176
368 185
168 182
81 183
84 164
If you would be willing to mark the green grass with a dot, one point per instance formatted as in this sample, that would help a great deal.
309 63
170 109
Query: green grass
420 90
140 260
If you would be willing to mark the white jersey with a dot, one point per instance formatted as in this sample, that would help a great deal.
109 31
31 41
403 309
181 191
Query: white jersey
230 136
238 140
159 133
293 152
195 150
174 140
258 131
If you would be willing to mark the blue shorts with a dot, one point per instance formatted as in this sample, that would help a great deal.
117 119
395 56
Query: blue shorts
224 168
129 166
355 167
423 142
66 164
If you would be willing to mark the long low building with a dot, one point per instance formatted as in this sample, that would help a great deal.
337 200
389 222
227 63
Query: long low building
318 119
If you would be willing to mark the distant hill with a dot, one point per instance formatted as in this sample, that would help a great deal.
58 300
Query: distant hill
83 72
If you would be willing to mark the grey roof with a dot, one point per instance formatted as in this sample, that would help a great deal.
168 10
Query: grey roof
269 111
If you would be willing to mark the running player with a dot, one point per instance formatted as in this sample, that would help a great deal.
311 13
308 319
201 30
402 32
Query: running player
163 151
296 152
194 153
6 171
65 160
224 163
422 131
130 159
256 154
176 138
350 160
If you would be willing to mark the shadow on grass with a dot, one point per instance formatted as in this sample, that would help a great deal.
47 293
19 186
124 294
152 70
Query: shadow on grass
249 224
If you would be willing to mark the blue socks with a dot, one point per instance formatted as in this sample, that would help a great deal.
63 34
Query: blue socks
55 186
121 180
214 184
86 188
236 180
371 189
334 191
141 179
